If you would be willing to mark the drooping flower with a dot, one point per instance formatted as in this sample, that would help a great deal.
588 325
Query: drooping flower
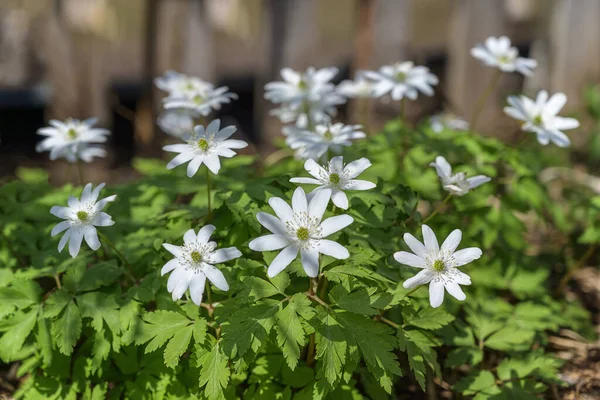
315 144
178 123
497 52
81 218
201 101
297 87
73 140
442 121
205 147
336 177
299 229
194 262
439 265
402 80
541 117
457 184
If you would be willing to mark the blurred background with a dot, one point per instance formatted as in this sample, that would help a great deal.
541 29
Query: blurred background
84 58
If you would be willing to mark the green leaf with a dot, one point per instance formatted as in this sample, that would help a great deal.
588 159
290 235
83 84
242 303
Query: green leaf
214 373
248 328
67 329
478 383
56 302
290 334
358 302
330 348
508 338
463 355
259 288
13 339
44 340
98 275
177 346
430 318
100 349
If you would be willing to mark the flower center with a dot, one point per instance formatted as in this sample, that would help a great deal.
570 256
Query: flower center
72 134
401 76
196 257
334 178
505 59
203 144
439 265
198 99
538 120
83 216
302 85
328 135
302 233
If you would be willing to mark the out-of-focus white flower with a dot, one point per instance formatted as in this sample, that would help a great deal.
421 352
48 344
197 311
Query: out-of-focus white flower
194 262
205 147
299 229
73 140
442 121
81 218
439 265
540 117
178 85
498 53
200 101
315 144
297 87
356 89
337 177
457 184
308 113
402 80
178 123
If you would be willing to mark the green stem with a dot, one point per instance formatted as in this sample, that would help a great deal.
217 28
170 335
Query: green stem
403 109
57 280
483 99
80 172
438 208
310 353
567 277
208 191
411 292
129 270
277 156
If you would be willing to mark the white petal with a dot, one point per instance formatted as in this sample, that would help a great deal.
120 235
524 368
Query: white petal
310 262
177 148
86 194
359 185
189 236
182 284
102 203
559 138
234 144
442 167
177 275
307 181
72 202
75 241
340 199
175 250
467 255
169 266
103 219
61 226
96 192
452 241
226 254
454 289
478 180
197 288
334 224
225 152
205 233
417 247
226 132
299 203
555 104
64 239
60 212
194 165
332 249
313 168
357 167
424 276
216 277
180 159
460 277
406 258
318 204
282 209
268 243
270 222
91 237
429 239
283 259
436 293
213 127
562 123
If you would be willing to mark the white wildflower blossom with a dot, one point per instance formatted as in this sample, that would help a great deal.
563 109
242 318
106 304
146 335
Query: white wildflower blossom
457 184
439 265
497 52
401 80
442 121
202 101
297 87
73 140
300 229
194 263
325 137
177 123
81 218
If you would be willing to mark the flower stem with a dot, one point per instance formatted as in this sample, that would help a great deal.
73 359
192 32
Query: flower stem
437 209
276 156
567 277
79 172
129 270
483 99
57 280
403 109
211 309
208 192
411 292
310 353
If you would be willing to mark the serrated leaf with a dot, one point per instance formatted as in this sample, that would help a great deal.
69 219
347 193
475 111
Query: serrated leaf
478 383
358 302
44 340
13 339
100 349
98 275
330 348
56 302
67 329
177 346
290 334
430 318
259 288
214 374
248 328
508 338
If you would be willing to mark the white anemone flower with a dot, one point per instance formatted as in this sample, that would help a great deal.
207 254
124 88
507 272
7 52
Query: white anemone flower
178 84
309 113
81 218
205 147
442 121
177 123
73 140
360 88
457 184
194 262
202 102
315 144
299 229
337 177
497 52
402 80
540 117
300 86
439 265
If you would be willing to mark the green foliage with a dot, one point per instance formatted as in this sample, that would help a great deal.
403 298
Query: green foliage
81 328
